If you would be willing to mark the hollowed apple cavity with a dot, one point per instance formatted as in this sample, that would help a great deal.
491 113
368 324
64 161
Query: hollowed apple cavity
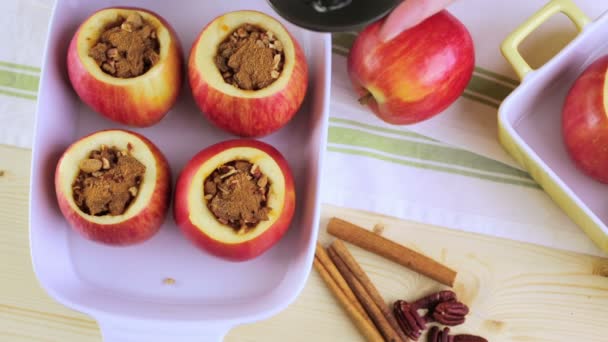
236 194
108 181
125 63
248 75
113 187
250 58
127 48
235 199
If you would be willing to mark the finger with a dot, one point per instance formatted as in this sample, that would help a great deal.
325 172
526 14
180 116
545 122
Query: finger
410 13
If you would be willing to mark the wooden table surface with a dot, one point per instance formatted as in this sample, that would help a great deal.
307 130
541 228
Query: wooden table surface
516 291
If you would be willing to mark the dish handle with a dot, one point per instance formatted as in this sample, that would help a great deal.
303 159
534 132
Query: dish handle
510 45
131 330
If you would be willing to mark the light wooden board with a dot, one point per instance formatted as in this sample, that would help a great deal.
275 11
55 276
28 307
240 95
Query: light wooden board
517 292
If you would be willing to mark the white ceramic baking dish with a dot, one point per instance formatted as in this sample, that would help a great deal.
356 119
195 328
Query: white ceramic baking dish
124 288
530 118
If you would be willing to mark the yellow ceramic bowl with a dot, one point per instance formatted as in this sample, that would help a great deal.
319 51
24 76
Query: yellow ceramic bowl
530 118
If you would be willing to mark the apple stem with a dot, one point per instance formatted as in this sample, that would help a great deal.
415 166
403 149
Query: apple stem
365 99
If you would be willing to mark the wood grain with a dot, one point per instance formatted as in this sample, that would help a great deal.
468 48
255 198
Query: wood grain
516 292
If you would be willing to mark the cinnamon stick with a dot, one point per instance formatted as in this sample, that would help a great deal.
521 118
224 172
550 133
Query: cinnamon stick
365 326
391 250
341 250
337 277
374 312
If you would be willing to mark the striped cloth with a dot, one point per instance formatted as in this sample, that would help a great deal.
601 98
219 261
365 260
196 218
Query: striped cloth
448 171
24 26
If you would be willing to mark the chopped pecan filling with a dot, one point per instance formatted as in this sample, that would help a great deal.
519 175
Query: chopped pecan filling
108 182
250 58
236 193
128 48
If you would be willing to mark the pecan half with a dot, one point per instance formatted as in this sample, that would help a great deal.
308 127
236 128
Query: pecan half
429 302
438 335
441 307
450 313
469 338
409 320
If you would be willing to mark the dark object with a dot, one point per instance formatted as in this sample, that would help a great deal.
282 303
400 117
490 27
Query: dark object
410 321
438 335
430 301
441 307
469 338
333 15
450 313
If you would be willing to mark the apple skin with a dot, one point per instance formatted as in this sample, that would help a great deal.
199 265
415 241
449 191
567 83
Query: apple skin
249 116
134 230
140 101
248 249
585 121
416 75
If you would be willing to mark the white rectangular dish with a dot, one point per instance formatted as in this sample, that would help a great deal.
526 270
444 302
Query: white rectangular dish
530 118
123 287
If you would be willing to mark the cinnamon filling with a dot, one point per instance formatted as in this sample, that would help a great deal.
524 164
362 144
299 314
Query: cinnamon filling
237 193
127 48
108 182
250 58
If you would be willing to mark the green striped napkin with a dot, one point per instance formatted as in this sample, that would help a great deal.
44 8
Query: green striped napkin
24 25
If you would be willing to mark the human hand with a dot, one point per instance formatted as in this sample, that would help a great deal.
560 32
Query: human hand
410 13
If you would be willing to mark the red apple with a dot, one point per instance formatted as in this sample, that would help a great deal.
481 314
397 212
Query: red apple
147 210
417 74
192 201
138 101
247 113
585 121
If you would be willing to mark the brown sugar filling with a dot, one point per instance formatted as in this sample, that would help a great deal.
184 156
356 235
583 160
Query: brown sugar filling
250 58
108 182
237 193
127 48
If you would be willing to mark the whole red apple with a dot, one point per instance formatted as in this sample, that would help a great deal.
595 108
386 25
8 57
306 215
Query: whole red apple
235 199
137 101
248 109
585 120
417 74
146 205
